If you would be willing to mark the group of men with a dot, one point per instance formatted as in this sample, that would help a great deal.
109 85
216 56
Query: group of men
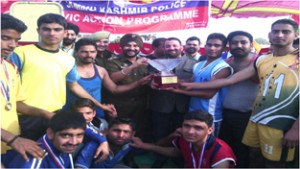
189 118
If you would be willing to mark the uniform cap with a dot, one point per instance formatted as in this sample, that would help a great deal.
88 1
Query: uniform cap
100 35
131 37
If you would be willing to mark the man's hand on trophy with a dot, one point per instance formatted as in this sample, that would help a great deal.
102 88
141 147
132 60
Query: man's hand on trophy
145 80
154 85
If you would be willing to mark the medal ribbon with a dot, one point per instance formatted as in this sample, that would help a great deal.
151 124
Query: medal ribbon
201 157
55 158
5 90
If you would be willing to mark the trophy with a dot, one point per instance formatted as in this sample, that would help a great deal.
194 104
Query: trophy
166 77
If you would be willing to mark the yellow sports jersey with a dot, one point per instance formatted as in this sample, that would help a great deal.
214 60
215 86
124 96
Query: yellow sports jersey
9 118
277 104
43 75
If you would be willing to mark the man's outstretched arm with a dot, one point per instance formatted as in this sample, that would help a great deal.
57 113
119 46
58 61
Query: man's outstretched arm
167 151
33 111
240 76
79 91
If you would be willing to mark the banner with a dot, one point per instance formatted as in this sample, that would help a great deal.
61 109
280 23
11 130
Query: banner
121 16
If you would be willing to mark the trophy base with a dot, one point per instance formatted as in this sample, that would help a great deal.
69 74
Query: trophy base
165 81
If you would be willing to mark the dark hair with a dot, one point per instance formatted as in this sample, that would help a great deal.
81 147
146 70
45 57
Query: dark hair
286 21
174 38
10 22
66 119
157 41
73 27
219 36
200 116
237 33
83 102
84 42
192 39
119 120
52 18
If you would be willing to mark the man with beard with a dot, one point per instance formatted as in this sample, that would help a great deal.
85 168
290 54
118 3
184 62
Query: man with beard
127 68
158 52
273 129
119 134
236 116
70 37
158 48
66 131
103 54
168 108
92 76
192 47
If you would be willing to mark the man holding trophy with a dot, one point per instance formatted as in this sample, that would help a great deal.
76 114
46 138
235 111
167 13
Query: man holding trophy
168 108
125 69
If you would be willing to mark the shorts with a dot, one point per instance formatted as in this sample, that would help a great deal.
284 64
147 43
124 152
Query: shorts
269 140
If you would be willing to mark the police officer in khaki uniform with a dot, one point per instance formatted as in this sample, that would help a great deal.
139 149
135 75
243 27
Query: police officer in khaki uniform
129 67
103 54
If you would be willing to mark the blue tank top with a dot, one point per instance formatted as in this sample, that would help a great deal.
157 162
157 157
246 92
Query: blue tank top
204 74
93 86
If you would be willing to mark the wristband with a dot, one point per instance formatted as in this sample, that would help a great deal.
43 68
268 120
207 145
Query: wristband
12 140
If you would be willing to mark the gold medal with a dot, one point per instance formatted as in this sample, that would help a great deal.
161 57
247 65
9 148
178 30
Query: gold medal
8 106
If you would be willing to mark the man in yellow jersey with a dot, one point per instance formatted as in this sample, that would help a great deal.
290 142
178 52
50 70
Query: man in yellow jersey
12 96
45 71
273 128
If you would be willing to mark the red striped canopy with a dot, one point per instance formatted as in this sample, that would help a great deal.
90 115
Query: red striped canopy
254 8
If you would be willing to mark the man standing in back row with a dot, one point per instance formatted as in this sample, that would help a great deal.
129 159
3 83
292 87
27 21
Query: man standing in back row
236 116
192 47
70 38
158 48
101 38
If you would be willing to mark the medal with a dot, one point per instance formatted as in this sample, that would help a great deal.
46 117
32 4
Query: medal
201 157
8 106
